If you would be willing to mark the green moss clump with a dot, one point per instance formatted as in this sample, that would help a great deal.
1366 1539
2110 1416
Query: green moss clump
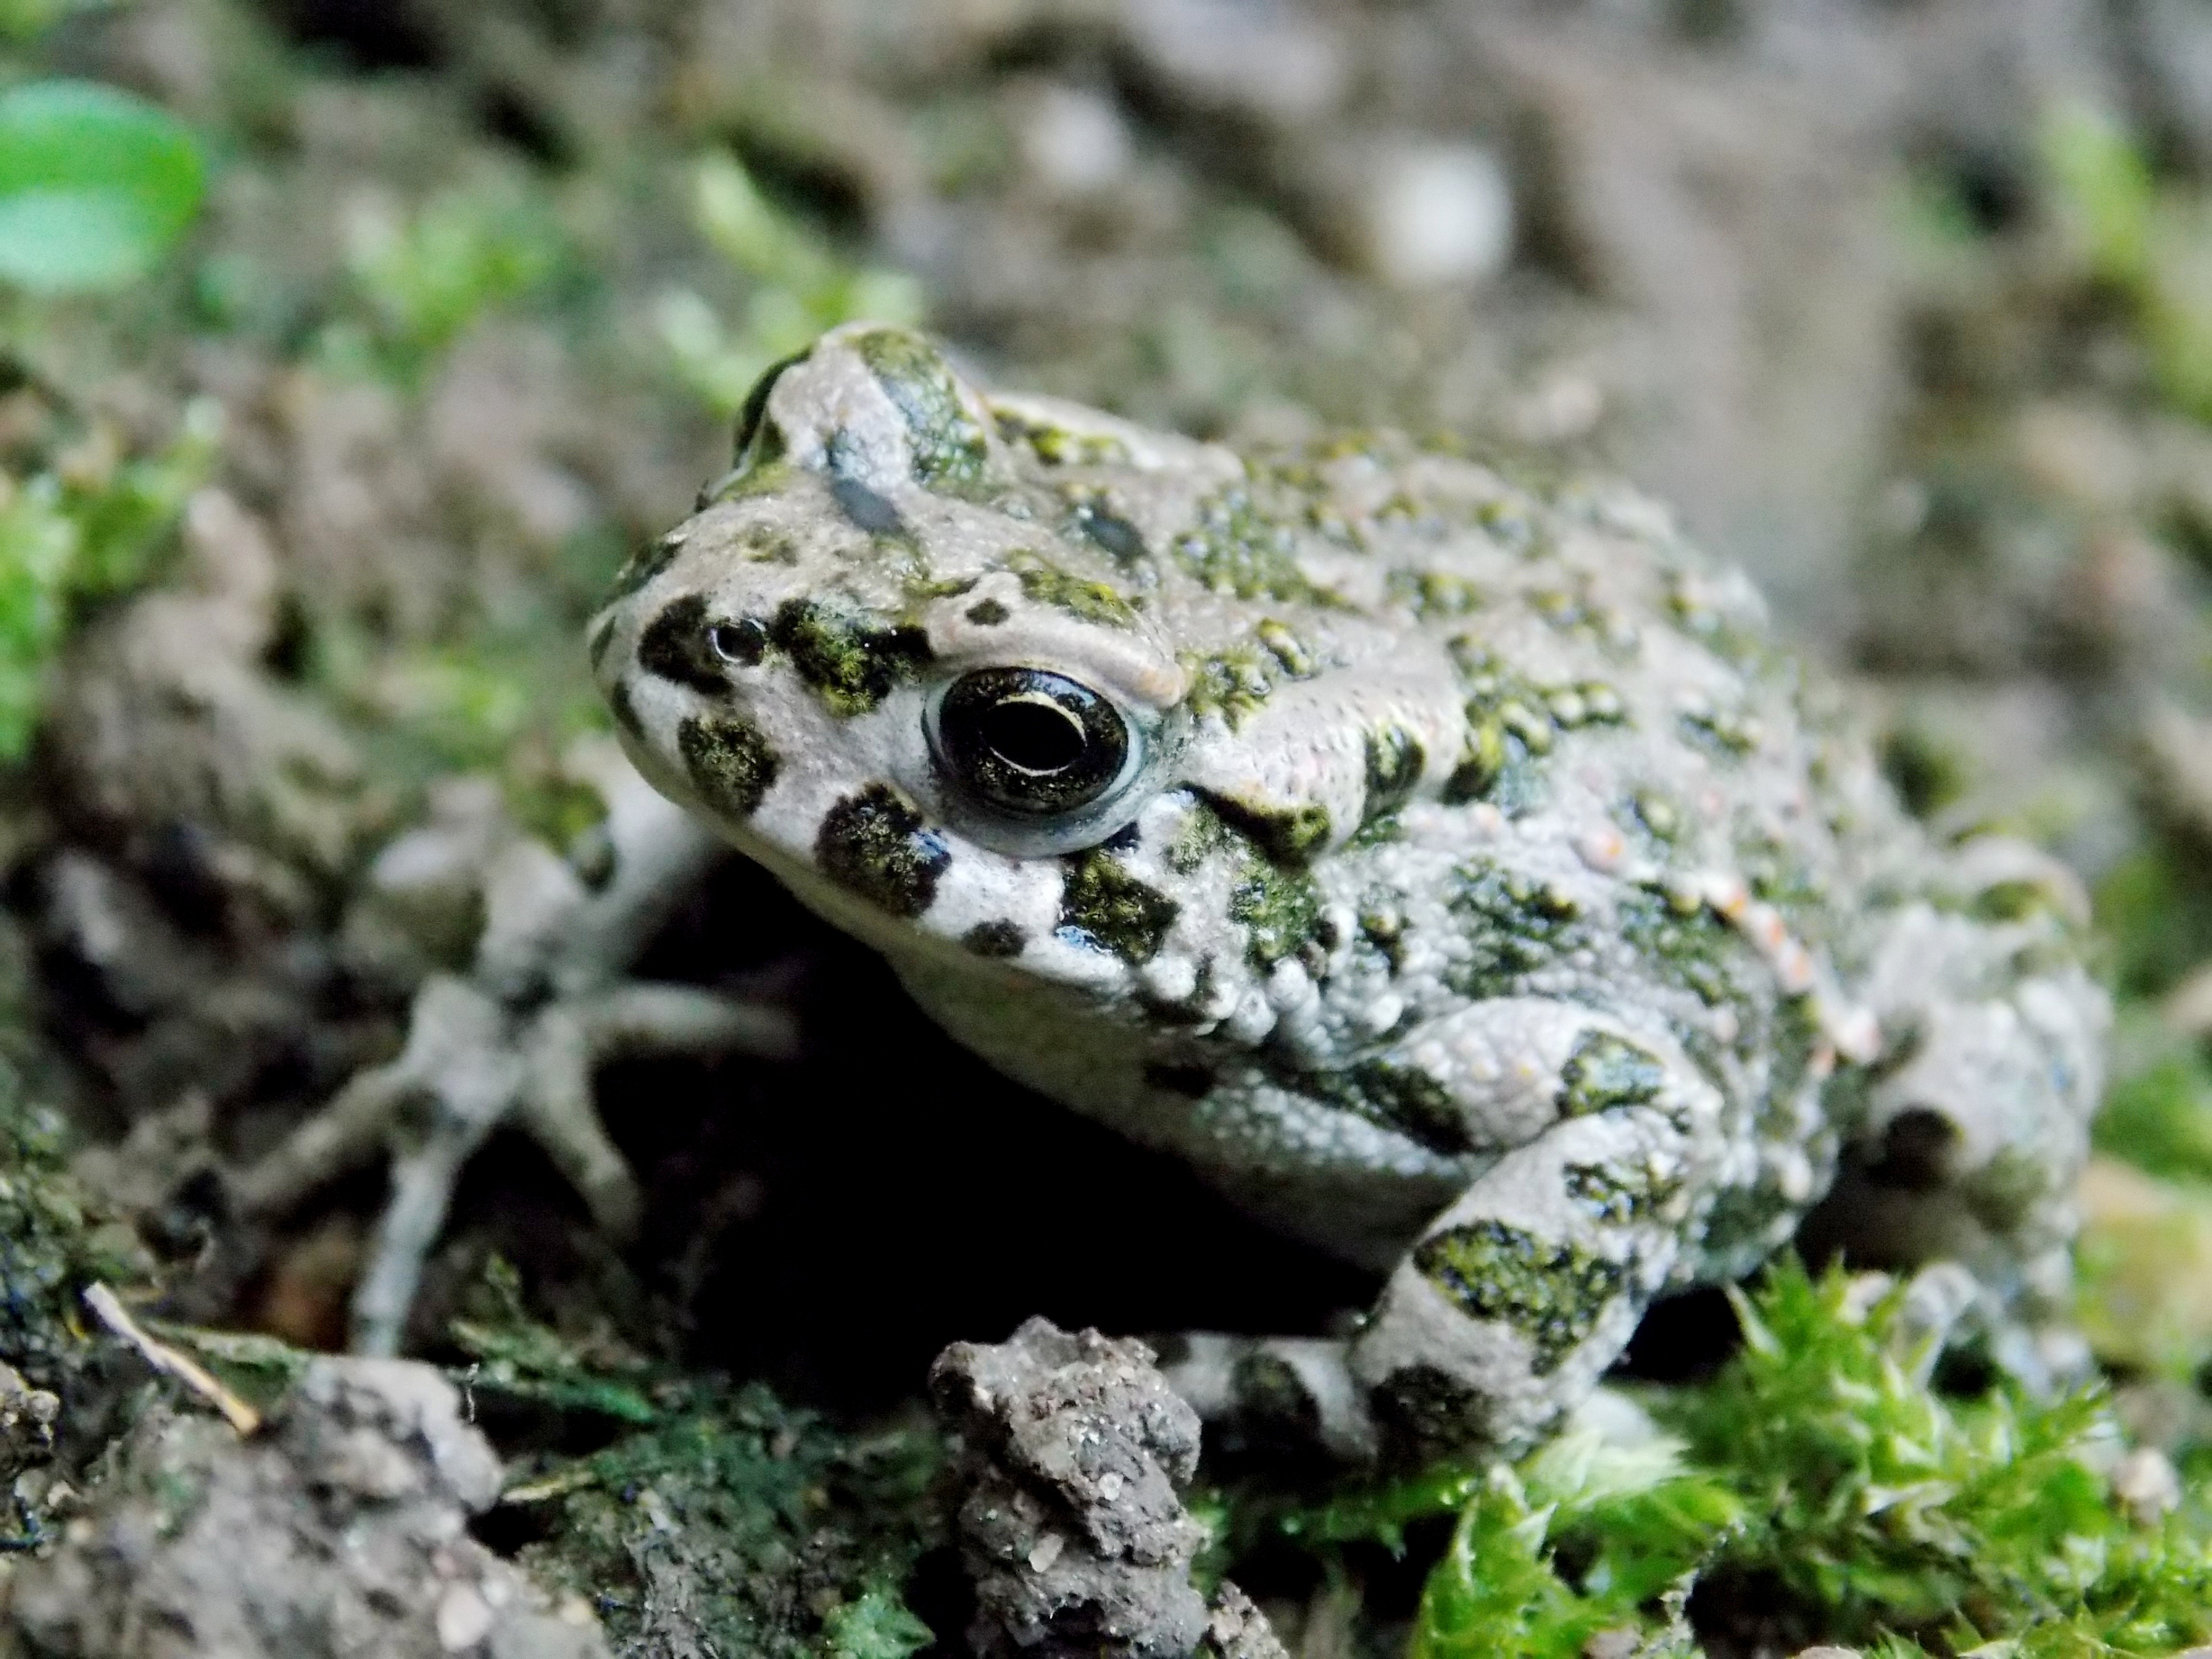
733 1524
1823 1465
52 1244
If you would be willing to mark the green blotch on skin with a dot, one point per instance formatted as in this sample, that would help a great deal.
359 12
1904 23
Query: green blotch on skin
950 449
851 662
1234 685
1287 834
1234 547
1105 908
1690 947
1287 647
759 475
1406 1098
1059 445
1280 910
1722 734
1514 925
1430 594
995 938
1395 759
1552 1293
1618 1197
1511 724
1604 1072
1045 583
878 844
732 763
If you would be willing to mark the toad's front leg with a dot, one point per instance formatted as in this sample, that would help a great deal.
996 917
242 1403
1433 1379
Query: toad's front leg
1513 1299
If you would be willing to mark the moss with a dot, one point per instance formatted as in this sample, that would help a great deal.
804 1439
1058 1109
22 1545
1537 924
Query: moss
731 762
1604 1072
1105 908
1552 1293
950 450
735 1524
52 1242
876 843
1045 583
851 660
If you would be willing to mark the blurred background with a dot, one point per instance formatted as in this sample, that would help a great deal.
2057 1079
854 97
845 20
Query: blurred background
348 346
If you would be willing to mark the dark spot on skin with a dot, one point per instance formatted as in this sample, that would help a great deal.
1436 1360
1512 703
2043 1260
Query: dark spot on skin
756 405
1409 1100
1104 907
1193 1082
988 614
1916 1151
851 662
995 938
878 844
1552 1293
1604 1071
1425 1413
1273 1403
866 509
1110 532
1288 835
625 711
602 637
674 646
730 759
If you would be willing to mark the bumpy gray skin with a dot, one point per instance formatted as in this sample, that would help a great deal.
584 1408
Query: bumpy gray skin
1483 899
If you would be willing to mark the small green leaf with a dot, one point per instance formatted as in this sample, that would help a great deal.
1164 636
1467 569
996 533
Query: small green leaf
94 186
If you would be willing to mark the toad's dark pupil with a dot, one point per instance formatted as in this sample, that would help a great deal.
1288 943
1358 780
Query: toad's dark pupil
1034 733
1029 741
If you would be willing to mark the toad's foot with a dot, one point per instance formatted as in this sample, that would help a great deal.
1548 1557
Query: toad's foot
518 1041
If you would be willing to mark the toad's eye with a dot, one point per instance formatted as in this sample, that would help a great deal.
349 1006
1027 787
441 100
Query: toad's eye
742 642
1030 742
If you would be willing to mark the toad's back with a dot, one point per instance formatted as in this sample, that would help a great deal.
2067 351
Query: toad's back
1452 872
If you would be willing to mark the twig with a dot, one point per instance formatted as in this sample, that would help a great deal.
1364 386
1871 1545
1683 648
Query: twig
164 1359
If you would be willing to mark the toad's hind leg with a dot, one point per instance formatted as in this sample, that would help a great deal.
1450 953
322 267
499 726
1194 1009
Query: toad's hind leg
1513 1299
1972 1131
